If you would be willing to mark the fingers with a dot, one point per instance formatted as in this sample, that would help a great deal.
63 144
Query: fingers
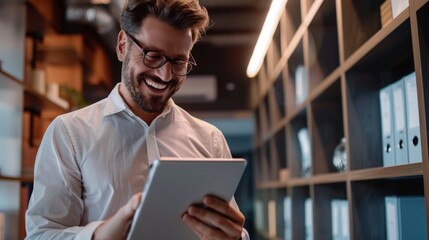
217 220
213 220
202 230
224 208
117 226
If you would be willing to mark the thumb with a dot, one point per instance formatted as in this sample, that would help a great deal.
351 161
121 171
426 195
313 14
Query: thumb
116 227
126 213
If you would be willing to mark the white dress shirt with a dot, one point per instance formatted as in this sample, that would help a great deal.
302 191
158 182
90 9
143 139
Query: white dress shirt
93 160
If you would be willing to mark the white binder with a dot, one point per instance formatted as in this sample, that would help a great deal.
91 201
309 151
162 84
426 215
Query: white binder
308 206
340 219
301 84
387 126
400 123
287 218
392 226
305 146
413 123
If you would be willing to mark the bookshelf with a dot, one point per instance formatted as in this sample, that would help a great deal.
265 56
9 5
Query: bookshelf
69 60
345 55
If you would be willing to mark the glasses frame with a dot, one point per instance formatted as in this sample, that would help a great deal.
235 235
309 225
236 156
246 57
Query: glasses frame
145 51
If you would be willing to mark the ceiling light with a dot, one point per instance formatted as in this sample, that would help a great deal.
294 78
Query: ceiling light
270 25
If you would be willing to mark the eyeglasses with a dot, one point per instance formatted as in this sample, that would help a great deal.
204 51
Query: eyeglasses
154 59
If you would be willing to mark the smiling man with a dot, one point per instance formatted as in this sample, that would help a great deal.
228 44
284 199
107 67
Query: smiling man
93 162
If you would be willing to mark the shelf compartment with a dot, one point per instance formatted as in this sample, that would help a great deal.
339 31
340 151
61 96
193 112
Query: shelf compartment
323 196
257 165
11 105
385 63
299 197
280 148
293 19
368 205
297 80
361 20
279 99
295 150
323 44
327 127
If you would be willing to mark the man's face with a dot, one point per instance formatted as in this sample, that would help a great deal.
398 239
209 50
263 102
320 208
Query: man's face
149 89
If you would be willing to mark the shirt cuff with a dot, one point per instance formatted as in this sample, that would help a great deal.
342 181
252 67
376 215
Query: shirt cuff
245 235
87 232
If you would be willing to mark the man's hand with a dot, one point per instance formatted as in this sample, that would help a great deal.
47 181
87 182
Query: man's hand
116 227
217 220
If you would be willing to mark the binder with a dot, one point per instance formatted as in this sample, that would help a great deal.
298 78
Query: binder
301 84
413 123
405 218
387 126
288 218
400 123
392 226
305 146
340 219
308 219
336 220
345 227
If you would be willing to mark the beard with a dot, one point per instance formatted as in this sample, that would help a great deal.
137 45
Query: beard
147 103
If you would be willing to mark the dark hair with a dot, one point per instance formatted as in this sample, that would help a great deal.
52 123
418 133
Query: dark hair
177 13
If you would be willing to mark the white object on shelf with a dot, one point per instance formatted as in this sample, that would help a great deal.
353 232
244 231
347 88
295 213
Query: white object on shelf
305 146
398 6
38 77
53 89
301 84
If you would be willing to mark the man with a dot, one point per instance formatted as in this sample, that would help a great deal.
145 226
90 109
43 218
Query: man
93 162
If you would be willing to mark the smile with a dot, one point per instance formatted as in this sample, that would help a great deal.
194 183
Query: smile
155 85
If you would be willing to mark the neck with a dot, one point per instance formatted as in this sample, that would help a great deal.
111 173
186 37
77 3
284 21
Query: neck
145 116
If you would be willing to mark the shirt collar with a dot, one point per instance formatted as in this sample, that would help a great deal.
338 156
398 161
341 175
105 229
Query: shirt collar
116 104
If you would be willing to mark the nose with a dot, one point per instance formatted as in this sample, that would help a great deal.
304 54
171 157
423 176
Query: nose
164 72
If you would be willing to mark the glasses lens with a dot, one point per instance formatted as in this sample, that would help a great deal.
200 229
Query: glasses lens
153 59
181 67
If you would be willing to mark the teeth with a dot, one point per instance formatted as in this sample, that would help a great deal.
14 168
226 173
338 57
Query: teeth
155 84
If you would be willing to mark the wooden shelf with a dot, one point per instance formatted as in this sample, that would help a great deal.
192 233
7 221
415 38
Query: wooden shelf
38 100
348 58
21 179
10 77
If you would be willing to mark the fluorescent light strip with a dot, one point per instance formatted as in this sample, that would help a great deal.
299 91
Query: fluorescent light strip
270 25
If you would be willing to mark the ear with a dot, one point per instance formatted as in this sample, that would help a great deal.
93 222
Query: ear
121 45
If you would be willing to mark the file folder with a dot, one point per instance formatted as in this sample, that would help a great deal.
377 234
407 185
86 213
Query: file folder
308 206
305 146
287 218
392 226
405 218
413 123
301 84
387 126
400 123
340 219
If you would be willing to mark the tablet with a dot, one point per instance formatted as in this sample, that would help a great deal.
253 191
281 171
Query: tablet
173 185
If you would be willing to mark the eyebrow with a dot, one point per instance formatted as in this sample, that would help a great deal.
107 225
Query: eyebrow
140 45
